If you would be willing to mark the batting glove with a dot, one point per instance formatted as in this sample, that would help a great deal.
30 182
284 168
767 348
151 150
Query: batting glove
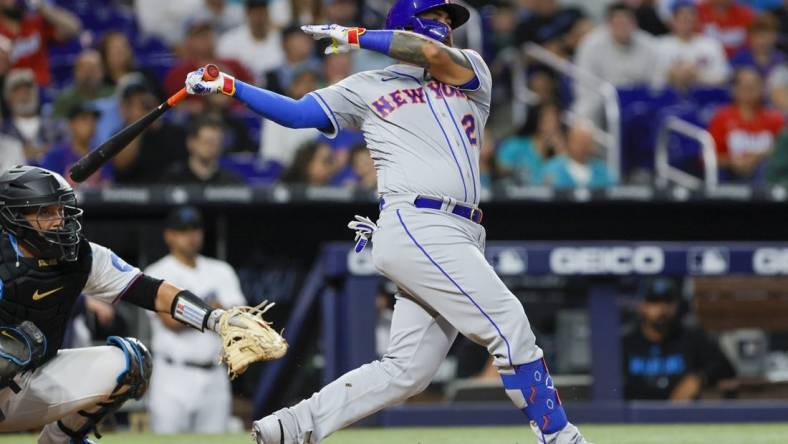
195 84
343 39
364 228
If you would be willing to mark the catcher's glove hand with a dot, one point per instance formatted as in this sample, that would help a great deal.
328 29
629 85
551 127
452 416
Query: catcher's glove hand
248 338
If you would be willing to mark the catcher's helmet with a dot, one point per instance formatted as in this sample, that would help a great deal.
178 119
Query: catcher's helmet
25 190
405 15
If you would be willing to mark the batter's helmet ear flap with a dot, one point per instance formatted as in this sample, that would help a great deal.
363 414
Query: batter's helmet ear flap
405 15
431 28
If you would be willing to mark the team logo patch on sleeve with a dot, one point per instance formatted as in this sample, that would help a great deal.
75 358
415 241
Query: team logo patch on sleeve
120 264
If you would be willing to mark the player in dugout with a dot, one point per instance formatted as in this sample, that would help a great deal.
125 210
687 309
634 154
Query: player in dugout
45 264
423 120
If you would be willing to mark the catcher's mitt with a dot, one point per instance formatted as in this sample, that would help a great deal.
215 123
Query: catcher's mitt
248 338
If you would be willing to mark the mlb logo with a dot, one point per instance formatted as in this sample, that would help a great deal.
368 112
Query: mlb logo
510 261
711 260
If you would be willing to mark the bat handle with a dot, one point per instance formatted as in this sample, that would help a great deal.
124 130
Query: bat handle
211 72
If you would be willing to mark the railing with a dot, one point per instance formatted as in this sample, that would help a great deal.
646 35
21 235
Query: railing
666 172
513 60
610 137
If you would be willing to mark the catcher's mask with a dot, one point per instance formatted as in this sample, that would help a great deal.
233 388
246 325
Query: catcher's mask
34 194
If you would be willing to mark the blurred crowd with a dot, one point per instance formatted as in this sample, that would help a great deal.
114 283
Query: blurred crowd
74 72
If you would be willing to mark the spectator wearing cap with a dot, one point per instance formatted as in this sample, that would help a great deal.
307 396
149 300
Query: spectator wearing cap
146 158
662 358
204 144
25 124
189 390
557 28
761 53
197 49
579 166
81 128
616 52
727 22
256 43
745 130
686 57
87 85
32 26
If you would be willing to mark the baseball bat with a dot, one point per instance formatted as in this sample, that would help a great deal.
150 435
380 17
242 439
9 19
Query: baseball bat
92 161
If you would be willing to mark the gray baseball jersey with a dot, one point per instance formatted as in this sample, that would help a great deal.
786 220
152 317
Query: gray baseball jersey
424 135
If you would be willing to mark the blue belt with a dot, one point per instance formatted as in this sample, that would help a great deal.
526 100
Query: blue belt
468 212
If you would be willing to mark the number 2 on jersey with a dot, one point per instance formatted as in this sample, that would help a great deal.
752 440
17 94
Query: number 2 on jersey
469 123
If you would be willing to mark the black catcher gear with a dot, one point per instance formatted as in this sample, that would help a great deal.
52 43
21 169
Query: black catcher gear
24 192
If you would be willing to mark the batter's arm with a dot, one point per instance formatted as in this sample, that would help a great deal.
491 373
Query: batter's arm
447 64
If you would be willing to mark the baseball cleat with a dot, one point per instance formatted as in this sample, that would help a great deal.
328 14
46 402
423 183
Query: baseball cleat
568 435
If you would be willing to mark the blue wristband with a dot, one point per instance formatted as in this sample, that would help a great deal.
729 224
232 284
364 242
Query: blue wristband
378 41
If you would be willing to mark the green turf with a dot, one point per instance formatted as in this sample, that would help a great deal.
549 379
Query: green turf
599 434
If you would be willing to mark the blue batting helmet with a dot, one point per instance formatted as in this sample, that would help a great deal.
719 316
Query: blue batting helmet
405 15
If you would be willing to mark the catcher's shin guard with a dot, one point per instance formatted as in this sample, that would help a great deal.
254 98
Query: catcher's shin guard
531 389
132 384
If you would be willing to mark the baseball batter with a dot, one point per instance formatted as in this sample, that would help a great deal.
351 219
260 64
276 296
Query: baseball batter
423 121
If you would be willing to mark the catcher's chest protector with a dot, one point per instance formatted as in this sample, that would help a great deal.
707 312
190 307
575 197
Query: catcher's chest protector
40 291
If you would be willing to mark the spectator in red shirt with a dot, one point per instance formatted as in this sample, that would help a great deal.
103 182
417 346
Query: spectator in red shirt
30 26
726 21
198 49
745 130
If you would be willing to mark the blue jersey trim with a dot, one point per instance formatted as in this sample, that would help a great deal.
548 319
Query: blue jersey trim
473 84
464 147
506 341
332 116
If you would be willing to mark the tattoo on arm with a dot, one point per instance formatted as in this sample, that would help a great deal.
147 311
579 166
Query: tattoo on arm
409 47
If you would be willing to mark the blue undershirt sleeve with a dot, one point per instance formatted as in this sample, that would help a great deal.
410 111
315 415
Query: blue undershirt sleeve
303 113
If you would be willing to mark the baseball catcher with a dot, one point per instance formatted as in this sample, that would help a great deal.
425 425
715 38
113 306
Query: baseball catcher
45 264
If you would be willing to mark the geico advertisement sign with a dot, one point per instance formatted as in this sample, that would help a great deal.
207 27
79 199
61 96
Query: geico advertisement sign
607 260
770 261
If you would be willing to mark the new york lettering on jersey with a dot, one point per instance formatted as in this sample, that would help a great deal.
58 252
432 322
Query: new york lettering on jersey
423 134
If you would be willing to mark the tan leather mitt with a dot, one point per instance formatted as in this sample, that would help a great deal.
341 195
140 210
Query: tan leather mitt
248 338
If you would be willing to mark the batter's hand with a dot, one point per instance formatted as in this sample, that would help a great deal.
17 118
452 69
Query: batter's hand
364 228
343 39
195 84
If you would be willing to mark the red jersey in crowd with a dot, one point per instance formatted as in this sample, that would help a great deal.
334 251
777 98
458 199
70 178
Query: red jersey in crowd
29 46
729 27
735 135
